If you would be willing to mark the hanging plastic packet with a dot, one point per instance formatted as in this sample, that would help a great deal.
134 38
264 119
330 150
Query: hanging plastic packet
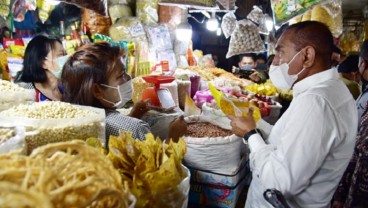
245 39
129 29
228 24
4 8
330 14
285 10
227 4
118 11
147 11
233 107
255 15
44 10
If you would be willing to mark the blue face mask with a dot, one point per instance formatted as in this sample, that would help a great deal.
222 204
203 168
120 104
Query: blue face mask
60 61
247 67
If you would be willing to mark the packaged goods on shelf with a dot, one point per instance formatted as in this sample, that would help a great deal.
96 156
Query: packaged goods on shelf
52 121
12 95
67 174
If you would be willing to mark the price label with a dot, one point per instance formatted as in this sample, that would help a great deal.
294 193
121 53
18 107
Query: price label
136 30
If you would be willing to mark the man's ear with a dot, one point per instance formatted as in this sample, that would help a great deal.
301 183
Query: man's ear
309 57
97 91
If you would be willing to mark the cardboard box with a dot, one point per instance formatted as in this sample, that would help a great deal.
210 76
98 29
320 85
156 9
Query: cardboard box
209 189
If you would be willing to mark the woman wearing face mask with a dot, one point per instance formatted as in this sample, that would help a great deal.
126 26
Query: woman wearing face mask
95 76
43 60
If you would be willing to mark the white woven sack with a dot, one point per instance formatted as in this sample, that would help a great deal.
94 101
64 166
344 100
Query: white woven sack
216 154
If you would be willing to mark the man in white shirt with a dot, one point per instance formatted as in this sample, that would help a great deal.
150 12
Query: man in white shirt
306 152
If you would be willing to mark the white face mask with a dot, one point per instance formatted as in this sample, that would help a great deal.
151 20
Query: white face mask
125 92
280 77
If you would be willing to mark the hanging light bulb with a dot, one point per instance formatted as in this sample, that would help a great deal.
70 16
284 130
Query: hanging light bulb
184 30
212 23
218 32
269 23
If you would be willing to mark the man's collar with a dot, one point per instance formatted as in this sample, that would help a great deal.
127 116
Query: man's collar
313 80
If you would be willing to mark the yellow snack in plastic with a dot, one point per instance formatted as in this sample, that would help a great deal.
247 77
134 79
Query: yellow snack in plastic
232 107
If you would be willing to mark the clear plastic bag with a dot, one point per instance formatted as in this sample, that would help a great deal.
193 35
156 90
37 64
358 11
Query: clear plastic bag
128 29
10 97
12 138
44 131
4 8
245 39
284 10
227 4
228 24
118 11
159 37
95 22
330 14
255 15
147 11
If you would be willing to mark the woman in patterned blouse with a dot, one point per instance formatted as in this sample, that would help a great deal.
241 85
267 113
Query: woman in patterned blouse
95 76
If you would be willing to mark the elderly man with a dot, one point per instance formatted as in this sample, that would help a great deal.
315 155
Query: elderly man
306 152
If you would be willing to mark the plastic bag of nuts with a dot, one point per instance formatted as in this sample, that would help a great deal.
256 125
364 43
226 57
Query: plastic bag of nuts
50 122
255 15
245 39
228 24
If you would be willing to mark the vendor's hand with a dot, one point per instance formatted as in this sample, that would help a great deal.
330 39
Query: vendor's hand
139 109
242 125
234 69
337 204
255 76
177 129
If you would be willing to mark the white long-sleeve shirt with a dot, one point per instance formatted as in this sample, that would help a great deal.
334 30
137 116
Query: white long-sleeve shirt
309 147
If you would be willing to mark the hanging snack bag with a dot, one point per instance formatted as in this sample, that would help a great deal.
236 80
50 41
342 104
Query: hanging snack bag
118 11
129 29
44 10
245 39
284 10
330 14
4 8
228 24
159 37
255 15
147 11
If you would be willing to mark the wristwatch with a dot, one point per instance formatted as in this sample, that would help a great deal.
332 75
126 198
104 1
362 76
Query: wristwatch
250 133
